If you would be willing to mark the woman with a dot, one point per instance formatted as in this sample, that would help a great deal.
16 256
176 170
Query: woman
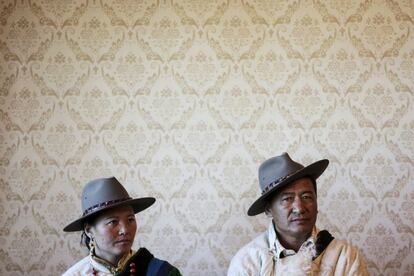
108 228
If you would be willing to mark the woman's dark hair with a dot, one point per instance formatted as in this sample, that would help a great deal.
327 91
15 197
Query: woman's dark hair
85 240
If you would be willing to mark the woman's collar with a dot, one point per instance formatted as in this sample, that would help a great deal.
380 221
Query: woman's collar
102 264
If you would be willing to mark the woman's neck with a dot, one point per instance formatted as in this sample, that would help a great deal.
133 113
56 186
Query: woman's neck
107 259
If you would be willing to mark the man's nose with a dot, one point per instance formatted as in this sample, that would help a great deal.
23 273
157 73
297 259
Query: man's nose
298 206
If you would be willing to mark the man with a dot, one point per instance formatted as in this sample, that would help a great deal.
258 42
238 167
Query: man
292 245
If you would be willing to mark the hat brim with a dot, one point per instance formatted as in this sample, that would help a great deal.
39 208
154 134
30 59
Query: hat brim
137 204
313 171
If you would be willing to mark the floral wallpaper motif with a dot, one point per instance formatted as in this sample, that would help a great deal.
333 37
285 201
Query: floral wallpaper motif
182 100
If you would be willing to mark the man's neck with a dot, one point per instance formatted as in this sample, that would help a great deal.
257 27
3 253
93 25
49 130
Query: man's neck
290 242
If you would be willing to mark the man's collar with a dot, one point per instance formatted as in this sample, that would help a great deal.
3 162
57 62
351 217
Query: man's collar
279 251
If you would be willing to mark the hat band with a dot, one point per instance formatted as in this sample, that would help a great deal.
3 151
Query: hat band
277 181
102 205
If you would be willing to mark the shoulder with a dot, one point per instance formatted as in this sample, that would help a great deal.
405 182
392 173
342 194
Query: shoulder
161 268
342 256
80 268
250 256
342 248
256 247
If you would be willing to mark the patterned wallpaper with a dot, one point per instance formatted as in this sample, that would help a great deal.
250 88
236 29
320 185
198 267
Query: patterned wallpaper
182 100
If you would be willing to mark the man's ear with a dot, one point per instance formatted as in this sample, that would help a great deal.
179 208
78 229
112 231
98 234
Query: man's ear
268 211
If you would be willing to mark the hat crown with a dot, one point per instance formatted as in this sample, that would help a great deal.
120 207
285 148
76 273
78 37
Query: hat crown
104 193
101 191
276 169
279 171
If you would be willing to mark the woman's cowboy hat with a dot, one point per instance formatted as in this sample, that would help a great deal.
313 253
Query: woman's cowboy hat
102 194
279 171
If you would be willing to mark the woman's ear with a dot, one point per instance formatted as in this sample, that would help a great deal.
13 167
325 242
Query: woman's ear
88 230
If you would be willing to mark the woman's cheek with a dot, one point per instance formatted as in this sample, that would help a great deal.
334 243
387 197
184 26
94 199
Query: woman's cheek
109 232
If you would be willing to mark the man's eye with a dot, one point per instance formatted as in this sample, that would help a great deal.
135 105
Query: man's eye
131 219
112 222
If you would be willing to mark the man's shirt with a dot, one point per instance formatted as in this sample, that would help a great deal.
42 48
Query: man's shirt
265 256
307 246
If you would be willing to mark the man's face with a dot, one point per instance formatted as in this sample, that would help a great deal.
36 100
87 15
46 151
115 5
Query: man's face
294 209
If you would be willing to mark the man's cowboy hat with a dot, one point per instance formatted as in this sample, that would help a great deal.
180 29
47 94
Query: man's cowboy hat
279 171
102 194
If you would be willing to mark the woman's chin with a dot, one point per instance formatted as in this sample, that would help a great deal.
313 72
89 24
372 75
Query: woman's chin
123 248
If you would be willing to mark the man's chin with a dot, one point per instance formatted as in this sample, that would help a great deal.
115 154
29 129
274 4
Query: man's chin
301 229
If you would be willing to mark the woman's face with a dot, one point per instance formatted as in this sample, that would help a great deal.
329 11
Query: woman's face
113 232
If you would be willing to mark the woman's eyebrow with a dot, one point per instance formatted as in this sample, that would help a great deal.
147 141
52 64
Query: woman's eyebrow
111 217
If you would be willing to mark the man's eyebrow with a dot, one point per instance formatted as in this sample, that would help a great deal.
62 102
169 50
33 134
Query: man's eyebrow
287 193
293 193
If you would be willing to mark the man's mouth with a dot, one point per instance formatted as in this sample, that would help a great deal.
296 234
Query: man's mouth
299 220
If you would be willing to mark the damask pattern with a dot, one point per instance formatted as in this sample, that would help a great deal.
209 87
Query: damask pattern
182 100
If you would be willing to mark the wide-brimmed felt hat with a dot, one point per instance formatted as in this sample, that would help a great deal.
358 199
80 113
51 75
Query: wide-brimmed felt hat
102 194
278 172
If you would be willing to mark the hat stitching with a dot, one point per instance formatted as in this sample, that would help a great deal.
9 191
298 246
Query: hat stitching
274 183
103 204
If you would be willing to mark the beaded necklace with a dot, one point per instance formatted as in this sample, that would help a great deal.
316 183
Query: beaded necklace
119 269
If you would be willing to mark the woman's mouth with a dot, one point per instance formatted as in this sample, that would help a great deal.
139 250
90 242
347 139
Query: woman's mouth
123 242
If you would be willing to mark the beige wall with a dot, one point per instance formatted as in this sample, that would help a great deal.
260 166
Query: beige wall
182 100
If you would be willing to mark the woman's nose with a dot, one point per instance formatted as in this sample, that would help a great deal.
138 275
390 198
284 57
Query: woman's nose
122 229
